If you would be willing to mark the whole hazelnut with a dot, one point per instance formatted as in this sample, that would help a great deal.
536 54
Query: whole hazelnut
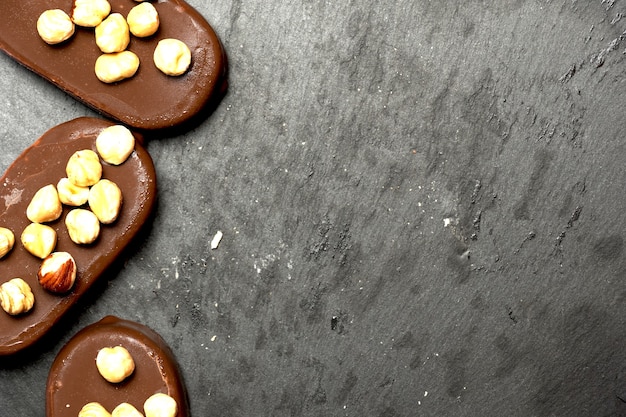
57 272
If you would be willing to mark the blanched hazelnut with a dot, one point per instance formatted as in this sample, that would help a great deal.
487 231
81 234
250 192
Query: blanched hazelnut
112 35
115 144
16 296
55 26
93 409
70 194
7 240
39 239
83 226
90 13
160 405
45 206
115 364
84 168
125 410
172 56
105 201
118 66
57 272
143 20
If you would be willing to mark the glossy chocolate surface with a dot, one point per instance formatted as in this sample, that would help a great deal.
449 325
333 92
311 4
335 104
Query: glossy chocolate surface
74 380
149 100
44 163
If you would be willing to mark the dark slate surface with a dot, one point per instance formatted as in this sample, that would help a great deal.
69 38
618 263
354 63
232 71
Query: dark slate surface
422 206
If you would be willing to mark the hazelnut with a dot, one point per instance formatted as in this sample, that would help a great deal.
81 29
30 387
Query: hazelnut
90 13
45 205
83 226
55 26
16 297
160 405
172 56
115 144
93 409
118 66
7 240
115 364
70 194
143 20
105 201
125 410
83 168
112 35
57 272
39 239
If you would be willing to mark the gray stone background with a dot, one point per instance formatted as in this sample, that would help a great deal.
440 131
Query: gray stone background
422 205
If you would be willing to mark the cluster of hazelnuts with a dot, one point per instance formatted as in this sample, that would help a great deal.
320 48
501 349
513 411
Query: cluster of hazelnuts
92 200
112 33
115 364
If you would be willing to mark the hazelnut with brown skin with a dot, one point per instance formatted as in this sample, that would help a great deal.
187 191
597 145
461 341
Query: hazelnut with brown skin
57 273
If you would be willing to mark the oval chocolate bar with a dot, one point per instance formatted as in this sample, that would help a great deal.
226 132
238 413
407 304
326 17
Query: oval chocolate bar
74 379
149 100
42 164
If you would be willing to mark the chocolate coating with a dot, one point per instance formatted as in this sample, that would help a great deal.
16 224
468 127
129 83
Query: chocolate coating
149 100
44 163
74 379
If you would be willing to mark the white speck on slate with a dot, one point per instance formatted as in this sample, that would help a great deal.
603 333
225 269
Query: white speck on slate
216 239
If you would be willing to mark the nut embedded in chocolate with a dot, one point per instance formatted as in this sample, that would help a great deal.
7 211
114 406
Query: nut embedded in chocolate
115 364
39 239
55 26
115 144
126 410
84 168
16 297
105 201
7 240
57 273
93 409
143 20
83 226
90 13
45 206
160 405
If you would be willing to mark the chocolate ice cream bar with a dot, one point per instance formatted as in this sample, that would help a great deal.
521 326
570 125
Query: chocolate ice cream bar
75 380
44 163
150 99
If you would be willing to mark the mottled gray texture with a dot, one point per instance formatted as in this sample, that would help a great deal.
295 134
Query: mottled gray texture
422 206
